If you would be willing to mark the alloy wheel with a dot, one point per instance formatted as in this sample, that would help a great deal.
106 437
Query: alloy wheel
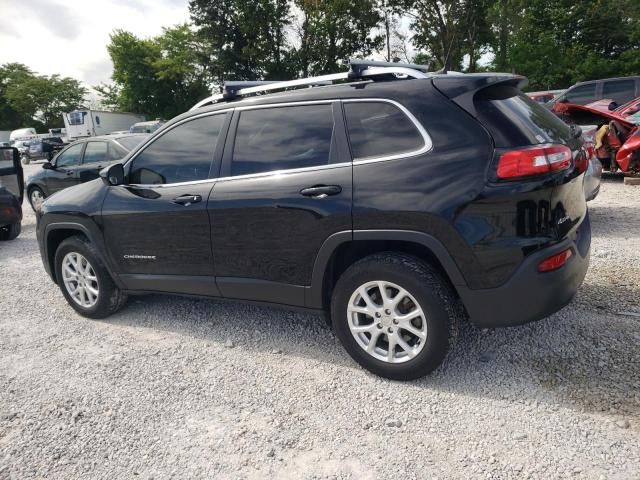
387 322
80 279
36 199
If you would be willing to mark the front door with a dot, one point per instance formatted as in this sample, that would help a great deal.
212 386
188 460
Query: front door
64 173
156 227
285 187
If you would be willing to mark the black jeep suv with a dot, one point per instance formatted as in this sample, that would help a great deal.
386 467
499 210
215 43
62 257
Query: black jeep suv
398 201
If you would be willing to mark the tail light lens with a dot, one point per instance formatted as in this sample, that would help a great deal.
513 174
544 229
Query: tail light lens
534 161
555 262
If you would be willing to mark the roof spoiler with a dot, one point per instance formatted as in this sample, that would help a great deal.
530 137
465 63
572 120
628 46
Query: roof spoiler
462 89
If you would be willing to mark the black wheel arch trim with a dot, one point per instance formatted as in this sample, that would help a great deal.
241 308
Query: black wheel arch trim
314 297
93 237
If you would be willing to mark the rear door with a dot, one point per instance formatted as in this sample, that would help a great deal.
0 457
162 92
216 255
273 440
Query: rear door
285 187
65 171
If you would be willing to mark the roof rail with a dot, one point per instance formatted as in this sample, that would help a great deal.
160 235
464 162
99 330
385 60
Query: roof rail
359 70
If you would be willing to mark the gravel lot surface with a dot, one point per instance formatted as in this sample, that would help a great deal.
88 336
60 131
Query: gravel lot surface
179 388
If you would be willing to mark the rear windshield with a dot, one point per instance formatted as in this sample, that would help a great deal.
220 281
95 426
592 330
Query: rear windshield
131 142
513 119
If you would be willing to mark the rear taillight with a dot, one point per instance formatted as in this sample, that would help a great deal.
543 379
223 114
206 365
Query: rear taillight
555 262
534 161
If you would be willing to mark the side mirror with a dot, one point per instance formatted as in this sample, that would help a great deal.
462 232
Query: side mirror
48 166
613 106
113 175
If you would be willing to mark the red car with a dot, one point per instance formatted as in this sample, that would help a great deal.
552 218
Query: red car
617 139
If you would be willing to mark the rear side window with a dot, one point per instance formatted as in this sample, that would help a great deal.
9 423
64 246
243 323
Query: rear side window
582 94
183 154
379 129
513 119
96 152
282 138
620 91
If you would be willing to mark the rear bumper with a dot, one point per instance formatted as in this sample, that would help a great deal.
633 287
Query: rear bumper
529 295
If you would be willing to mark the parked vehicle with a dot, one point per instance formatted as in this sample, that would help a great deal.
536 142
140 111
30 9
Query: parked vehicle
92 123
621 90
79 163
146 127
41 148
11 191
22 134
544 96
617 139
399 202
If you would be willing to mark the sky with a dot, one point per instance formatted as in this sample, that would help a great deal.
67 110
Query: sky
70 37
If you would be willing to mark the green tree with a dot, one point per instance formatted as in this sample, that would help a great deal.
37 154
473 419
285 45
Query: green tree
40 100
243 40
331 31
159 77
448 30
11 74
556 43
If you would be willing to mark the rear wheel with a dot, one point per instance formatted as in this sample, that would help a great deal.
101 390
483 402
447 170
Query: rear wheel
395 315
84 280
11 231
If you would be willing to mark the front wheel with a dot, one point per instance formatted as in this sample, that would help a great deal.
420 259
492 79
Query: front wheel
395 315
36 197
84 280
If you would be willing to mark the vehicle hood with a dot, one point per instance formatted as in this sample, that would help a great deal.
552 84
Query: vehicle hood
570 108
84 199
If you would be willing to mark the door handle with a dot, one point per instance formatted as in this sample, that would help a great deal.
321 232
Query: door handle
69 174
321 191
187 200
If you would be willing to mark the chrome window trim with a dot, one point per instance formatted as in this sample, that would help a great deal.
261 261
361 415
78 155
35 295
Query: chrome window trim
428 143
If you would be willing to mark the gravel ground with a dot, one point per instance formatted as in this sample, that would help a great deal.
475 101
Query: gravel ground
179 388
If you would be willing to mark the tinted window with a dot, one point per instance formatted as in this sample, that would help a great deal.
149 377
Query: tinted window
513 119
619 90
183 154
71 156
282 138
377 129
131 142
96 152
582 95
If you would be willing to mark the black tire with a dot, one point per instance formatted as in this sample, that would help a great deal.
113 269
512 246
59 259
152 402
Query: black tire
441 307
10 232
31 190
110 298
